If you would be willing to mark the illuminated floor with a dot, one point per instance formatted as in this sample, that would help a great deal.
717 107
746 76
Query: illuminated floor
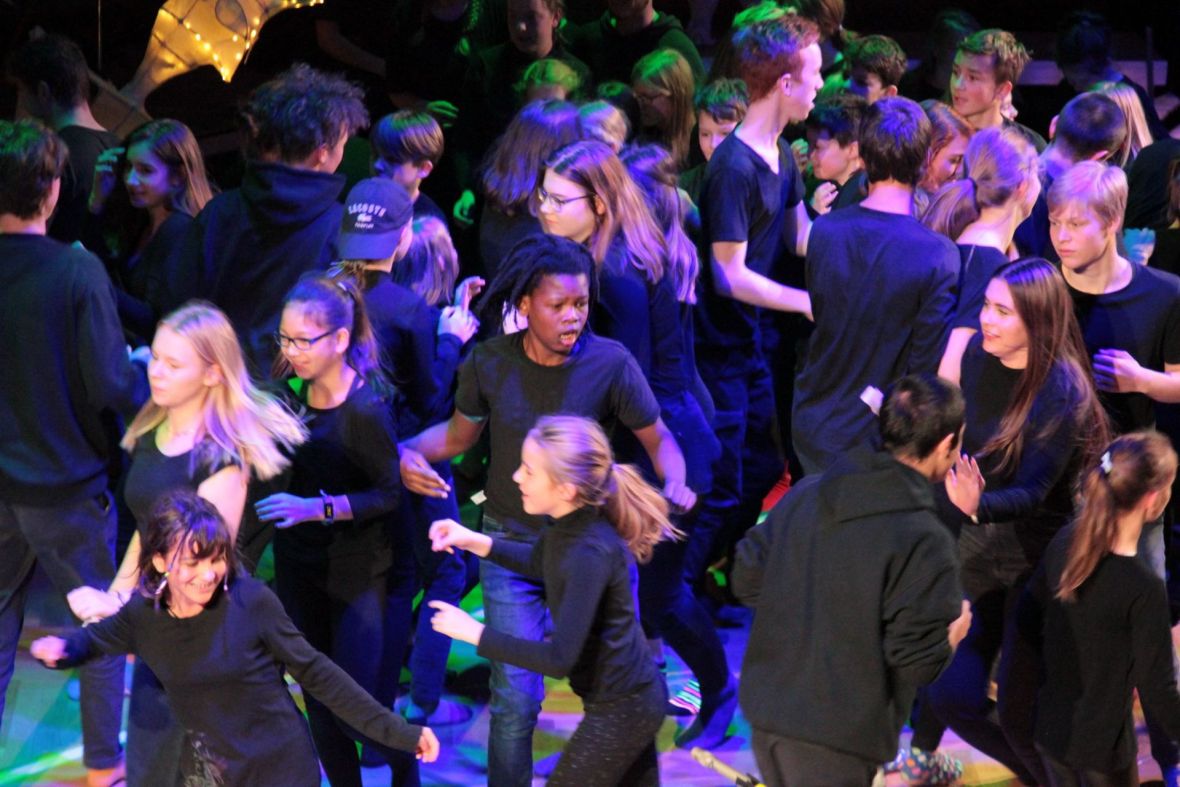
40 739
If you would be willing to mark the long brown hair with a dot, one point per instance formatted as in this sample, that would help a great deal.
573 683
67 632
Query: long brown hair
595 167
188 523
577 452
1135 465
666 70
654 172
1054 347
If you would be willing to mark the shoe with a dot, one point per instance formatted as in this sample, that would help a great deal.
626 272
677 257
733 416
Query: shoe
687 701
926 767
107 777
711 726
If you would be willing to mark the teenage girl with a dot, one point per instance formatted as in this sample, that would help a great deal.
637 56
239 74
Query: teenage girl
213 636
604 518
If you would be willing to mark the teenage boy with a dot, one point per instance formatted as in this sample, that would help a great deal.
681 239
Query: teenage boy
629 29
407 146
882 290
65 372
988 64
876 65
505 385
1091 127
752 215
53 86
1130 320
833 130
857 602
720 106
250 245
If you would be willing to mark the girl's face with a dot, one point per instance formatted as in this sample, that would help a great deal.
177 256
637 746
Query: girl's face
567 209
1004 334
149 183
946 165
655 105
556 311
540 495
312 349
176 373
192 581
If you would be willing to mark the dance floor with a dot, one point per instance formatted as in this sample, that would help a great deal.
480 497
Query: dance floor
40 742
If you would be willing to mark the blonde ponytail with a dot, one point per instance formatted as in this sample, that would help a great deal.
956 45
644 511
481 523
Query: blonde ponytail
638 511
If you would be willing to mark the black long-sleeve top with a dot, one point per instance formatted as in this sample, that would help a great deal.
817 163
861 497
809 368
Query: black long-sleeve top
1037 496
589 588
1114 638
66 372
142 279
350 450
222 670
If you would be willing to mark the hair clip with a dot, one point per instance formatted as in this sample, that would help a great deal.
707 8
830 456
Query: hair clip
1105 464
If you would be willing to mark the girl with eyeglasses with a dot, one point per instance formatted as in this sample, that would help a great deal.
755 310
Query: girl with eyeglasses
215 636
332 546
207 428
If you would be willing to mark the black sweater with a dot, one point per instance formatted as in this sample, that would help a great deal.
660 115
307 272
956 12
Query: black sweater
222 671
65 372
854 581
1113 639
589 588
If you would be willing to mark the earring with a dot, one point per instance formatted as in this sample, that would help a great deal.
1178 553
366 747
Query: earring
225 582
163 584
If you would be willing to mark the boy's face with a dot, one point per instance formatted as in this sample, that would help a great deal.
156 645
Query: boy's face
710 132
973 85
829 159
531 26
801 88
1079 236
868 85
407 174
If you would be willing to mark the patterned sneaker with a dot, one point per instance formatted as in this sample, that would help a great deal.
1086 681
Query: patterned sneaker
687 701
926 767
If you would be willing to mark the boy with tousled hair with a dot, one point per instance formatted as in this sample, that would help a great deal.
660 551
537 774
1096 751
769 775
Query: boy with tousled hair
988 64
407 146
876 65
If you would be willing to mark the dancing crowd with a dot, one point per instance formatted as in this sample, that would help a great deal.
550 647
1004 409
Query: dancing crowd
658 297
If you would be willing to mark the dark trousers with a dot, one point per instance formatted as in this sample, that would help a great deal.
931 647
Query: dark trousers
749 463
995 570
75 545
788 762
1061 775
338 604
615 743
669 609
155 739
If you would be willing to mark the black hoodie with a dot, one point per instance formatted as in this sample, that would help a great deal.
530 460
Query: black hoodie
249 246
854 581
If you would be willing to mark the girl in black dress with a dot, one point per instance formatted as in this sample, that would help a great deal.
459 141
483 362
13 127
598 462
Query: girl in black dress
604 518
213 637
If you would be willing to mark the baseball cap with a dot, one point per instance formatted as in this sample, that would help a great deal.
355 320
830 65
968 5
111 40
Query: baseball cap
375 213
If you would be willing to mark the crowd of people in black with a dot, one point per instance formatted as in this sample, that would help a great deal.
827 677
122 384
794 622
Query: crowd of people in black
615 299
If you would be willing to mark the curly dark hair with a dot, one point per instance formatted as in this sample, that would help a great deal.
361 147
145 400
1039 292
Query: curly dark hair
301 110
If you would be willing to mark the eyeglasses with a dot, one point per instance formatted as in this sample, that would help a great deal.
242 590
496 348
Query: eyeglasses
299 343
557 203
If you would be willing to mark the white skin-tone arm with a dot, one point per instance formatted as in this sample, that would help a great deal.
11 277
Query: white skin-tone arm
950 367
1116 371
225 489
737 281
802 232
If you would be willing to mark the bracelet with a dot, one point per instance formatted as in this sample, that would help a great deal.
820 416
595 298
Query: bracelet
329 508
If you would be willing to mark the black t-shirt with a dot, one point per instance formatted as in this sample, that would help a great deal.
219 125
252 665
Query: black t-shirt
1147 185
1032 235
1166 254
1142 318
350 450
500 383
232 656
153 474
85 146
979 265
588 574
883 292
1113 639
743 201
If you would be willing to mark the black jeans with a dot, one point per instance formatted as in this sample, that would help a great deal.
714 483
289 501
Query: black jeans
1061 775
789 762
75 544
615 743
